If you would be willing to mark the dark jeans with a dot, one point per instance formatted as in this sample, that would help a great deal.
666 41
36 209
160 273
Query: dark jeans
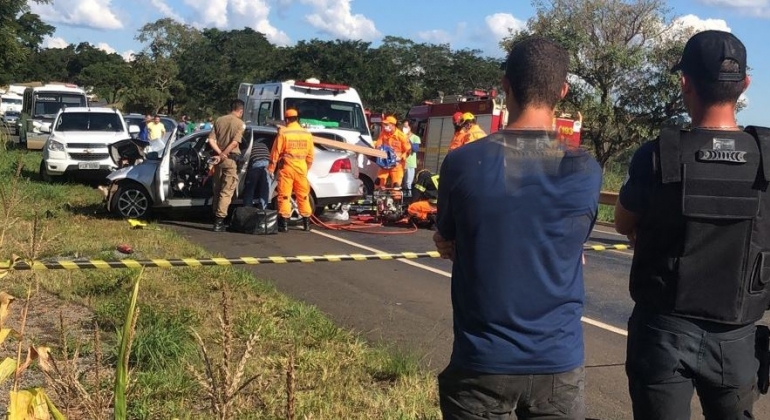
467 395
669 357
256 183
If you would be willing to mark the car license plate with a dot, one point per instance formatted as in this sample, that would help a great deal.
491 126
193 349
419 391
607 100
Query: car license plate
88 165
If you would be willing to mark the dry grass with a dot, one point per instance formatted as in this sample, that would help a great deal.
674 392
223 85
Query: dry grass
303 365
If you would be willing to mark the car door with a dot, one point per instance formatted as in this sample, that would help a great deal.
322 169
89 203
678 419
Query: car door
246 144
163 174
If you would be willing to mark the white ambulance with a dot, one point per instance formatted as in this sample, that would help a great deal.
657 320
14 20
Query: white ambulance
328 110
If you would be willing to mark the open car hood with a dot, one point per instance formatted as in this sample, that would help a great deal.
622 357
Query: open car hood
126 152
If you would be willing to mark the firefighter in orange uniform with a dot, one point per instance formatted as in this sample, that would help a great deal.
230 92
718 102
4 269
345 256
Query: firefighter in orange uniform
457 139
291 157
396 140
472 130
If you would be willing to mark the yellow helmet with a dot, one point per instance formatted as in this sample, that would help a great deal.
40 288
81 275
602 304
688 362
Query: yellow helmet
467 117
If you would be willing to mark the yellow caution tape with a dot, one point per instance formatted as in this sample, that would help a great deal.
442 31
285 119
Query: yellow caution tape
203 262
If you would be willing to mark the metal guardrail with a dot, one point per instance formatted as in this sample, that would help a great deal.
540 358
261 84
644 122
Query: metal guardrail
608 198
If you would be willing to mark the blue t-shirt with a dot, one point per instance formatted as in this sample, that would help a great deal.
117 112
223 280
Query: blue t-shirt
519 219
144 133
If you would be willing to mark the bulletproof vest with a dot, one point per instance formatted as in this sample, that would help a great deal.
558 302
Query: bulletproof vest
703 246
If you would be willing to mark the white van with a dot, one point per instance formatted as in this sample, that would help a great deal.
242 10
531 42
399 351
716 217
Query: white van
334 109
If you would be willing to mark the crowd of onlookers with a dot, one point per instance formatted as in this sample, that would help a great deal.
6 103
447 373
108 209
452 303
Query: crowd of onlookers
187 126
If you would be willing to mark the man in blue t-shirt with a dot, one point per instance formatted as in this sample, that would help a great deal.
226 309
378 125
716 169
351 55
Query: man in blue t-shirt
514 210
144 133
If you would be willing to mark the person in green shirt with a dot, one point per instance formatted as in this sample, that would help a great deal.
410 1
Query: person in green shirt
411 160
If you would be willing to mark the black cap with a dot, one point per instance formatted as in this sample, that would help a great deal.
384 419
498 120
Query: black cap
704 53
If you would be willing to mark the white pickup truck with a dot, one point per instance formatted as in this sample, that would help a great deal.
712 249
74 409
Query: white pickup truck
79 140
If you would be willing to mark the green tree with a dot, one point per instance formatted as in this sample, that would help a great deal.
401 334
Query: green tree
217 63
621 52
109 78
156 68
152 84
49 64
21 33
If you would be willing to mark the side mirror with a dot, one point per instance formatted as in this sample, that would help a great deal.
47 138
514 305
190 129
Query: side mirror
133 129
45 129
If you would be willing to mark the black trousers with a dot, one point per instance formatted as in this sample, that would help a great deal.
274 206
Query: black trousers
468 395
669 357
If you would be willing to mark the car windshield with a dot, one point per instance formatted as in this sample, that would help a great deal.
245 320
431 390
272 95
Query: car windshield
12 113
168 124
48 104
320 113
10 101
88 121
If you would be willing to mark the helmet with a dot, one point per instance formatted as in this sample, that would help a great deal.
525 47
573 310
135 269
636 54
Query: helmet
390 120
457 117
467 117
291 112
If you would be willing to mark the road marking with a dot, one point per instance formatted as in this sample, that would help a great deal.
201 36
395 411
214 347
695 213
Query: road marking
589 321
364 247
604 326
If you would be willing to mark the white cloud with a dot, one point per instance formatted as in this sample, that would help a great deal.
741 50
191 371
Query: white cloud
500 25
435 36
237 14
129 55
700 25
105 47
335 18
52 42
166 10
757 8
94 14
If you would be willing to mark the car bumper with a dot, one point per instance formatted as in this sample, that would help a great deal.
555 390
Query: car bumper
337 188
86 169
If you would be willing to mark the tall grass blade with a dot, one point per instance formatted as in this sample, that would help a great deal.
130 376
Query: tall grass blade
121 373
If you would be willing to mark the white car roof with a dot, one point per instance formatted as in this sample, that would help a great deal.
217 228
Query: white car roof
91 109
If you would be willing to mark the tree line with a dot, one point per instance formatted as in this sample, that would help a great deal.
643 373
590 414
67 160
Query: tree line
621 52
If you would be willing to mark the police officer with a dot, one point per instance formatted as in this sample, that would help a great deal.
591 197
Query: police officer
693 203
224 141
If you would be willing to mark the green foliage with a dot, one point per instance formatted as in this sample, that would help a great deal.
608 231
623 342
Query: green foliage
621 52
21 33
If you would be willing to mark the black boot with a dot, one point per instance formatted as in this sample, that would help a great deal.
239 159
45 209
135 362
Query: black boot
282 226
219 225
306 224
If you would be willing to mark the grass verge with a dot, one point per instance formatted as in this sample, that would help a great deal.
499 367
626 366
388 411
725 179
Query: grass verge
302 364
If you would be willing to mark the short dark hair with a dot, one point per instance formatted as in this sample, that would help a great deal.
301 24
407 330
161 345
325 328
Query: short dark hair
536 69
237 105
715 92
292 119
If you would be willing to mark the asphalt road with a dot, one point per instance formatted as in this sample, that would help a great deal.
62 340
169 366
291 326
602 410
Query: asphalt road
406 304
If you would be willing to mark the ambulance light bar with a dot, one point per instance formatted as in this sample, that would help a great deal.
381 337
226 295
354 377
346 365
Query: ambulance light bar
322 86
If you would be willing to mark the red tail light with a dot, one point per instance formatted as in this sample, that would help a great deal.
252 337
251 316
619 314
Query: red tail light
341 165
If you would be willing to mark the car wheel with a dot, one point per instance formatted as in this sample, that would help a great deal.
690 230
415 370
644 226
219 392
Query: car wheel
368 185
45 176
131 201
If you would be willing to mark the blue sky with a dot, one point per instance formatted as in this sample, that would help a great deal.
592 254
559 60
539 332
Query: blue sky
113 24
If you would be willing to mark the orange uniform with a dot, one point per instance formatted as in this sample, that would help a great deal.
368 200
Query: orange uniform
293 154
474 133
397 141
457 139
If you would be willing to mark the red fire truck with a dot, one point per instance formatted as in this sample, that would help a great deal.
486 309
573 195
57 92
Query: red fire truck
432 121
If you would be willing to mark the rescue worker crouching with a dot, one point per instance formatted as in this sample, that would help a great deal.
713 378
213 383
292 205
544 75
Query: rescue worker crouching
397 141
224 139
291 157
